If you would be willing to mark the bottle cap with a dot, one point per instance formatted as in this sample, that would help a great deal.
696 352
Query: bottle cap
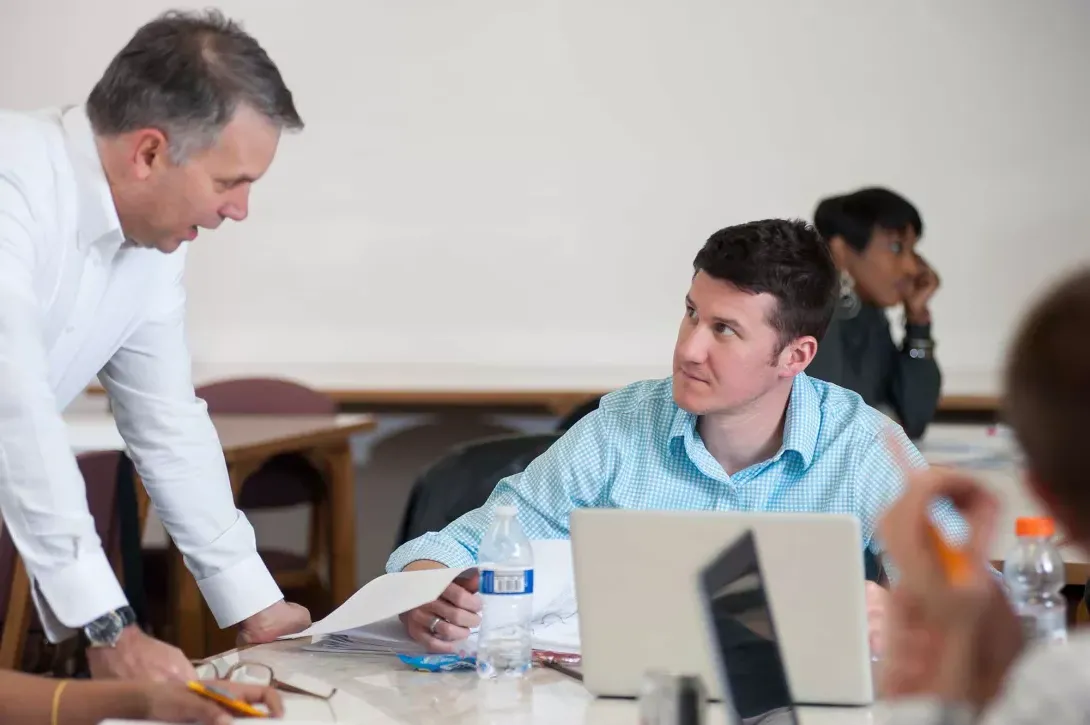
506 510
1037 526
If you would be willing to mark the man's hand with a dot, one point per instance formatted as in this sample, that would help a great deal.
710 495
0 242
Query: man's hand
440 624
139 657
918 297
877 607
272 622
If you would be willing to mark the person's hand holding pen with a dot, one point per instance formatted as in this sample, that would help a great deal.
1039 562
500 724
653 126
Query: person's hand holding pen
952 633
176 702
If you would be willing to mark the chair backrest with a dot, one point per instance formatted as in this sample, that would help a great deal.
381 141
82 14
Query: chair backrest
264 396
578 414
99 470
464 478
286 480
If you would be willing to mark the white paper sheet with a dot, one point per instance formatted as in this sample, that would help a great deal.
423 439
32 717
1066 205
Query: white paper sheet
555 614
382 598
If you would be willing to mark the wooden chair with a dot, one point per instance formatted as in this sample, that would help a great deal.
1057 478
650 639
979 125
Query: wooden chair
283 481
20 620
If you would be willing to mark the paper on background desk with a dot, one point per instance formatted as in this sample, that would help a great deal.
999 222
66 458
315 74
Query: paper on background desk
970 447
555 613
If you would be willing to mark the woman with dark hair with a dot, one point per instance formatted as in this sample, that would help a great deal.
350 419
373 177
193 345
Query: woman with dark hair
872 235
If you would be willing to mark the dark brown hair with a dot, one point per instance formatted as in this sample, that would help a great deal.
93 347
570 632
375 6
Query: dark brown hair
785 258
1048 393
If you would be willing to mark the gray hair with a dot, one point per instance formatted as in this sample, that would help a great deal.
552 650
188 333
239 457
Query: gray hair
186 74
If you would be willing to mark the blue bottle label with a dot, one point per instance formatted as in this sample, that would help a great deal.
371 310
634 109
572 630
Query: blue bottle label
507 581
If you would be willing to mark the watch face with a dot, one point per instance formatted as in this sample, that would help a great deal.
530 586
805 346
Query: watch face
105 630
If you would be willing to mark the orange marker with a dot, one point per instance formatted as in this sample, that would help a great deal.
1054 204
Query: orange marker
954 561
226 699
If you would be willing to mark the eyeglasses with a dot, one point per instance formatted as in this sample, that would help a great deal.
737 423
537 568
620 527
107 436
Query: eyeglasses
255 673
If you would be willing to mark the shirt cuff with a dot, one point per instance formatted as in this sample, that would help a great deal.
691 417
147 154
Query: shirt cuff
918 332
74 595
433 546
240 591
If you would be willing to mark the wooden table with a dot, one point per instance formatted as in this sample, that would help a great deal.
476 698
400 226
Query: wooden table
248 442
557 389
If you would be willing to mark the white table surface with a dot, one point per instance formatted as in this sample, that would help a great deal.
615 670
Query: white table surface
383 691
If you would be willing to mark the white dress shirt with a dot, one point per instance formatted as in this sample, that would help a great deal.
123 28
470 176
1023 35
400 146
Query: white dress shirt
76 300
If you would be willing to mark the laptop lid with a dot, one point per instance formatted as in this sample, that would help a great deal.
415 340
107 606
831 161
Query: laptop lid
743 634
636 579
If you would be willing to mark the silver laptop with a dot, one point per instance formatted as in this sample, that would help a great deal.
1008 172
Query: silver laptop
636 579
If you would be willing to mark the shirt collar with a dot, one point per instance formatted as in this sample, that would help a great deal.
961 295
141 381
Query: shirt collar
800 430
98 220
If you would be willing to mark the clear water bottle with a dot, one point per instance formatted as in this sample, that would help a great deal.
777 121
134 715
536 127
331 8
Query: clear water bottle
507 592
1034 573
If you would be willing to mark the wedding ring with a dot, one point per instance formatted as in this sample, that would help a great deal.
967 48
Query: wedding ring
434 623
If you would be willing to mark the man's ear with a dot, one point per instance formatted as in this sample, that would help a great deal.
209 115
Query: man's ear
796 355
148 151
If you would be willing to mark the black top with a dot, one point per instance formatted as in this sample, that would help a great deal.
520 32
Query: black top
858 353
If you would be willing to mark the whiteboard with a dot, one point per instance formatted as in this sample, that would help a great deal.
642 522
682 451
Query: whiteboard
524 185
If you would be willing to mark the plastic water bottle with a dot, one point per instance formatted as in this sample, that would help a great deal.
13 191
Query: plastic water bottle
507 592
1034 573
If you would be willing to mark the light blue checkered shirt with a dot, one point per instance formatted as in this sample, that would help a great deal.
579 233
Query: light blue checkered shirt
639 450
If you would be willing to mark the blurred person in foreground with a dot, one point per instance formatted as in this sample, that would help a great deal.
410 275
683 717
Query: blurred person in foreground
955 653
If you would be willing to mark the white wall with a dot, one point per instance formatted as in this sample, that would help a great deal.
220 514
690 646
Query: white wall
525 183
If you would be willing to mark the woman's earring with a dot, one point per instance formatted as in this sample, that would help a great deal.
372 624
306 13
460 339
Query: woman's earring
849 303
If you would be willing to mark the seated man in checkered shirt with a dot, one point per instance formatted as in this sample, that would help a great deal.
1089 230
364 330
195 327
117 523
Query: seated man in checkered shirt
738 427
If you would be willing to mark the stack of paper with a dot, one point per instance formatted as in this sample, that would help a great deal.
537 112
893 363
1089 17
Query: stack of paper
368 623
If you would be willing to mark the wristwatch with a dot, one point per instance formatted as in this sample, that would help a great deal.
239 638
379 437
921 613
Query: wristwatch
105 631
918 343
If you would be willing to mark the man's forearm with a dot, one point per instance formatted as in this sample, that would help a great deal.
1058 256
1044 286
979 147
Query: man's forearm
422 564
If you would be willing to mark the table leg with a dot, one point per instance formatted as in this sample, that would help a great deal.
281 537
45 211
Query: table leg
342 493
188 608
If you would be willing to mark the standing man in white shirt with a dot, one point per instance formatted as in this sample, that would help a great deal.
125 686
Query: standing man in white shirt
95 204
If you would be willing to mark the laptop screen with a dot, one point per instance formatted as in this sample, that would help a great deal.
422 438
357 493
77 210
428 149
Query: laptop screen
744 635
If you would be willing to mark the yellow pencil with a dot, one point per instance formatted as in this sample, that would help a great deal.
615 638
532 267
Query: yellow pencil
226 699
954 561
